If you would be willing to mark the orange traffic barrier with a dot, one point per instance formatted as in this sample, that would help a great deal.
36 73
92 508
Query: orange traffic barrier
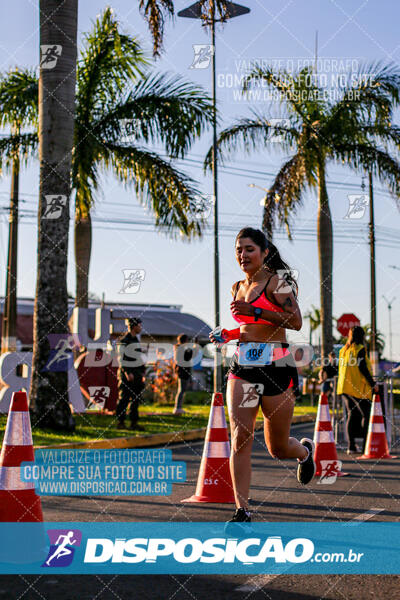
376 445
325 456
18 500
214 483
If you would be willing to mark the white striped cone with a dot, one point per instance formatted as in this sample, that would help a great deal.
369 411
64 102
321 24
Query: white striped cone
325 448
214 483
376 445
18 500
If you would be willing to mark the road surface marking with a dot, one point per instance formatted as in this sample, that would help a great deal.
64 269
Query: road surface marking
256 583
365 516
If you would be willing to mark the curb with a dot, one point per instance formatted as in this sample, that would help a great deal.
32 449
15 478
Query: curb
147 441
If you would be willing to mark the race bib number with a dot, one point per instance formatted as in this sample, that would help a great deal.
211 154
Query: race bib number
255 354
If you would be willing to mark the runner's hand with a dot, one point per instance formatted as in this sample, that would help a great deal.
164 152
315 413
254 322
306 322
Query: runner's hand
212 338
240 307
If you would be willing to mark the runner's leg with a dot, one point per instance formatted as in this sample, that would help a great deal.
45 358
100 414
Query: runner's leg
278 412
242 420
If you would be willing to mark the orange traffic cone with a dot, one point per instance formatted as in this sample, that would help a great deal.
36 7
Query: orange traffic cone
376 445
18 500
325 457
214 483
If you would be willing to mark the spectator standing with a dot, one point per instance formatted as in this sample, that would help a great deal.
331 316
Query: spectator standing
131 375
182 355
356 384
327 374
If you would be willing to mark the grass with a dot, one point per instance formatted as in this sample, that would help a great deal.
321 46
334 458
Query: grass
153 417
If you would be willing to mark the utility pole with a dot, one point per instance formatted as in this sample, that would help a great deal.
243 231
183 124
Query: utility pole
389 305
373 352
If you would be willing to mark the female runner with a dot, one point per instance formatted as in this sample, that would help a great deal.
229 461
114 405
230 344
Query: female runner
264 305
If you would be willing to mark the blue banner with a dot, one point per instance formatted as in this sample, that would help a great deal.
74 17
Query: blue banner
199 548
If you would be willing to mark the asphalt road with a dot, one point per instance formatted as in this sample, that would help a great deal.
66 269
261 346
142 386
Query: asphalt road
369 492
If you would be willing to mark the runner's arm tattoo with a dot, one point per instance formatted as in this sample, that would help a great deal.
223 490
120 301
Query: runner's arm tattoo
287 302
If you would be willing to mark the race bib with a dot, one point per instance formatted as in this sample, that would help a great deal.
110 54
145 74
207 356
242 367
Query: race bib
255 354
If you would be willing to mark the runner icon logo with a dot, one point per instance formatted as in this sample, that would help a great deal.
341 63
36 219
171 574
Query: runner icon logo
251 394
329 471
357 206
132 280
61 356
202 56
49 55
98 396
54 206
61 552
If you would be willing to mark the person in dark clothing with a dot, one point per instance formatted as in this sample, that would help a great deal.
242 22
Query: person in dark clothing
327 374
329 371
182 355
131 379
356 384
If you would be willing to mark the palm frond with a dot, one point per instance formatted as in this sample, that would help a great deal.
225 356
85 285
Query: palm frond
366 157
371 93
250 134
160 108
19 99
284 83
167 192
109 60
382 133
285 195
155 13
23 146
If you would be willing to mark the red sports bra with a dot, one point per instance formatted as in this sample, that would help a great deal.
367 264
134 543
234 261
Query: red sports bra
262 301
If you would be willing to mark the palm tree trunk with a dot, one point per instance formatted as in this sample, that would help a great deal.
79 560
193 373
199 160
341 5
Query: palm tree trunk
49 387
83 248
9 330
325 257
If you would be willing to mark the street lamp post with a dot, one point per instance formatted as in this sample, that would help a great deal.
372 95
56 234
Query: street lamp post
195 11
253 185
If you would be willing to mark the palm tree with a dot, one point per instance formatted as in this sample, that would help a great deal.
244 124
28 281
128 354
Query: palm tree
58 27
355 130
314 316
113 91
58 39
18 110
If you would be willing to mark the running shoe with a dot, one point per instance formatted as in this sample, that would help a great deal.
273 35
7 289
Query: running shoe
306 469
240 524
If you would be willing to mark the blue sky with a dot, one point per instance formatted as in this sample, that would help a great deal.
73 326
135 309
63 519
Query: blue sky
182 273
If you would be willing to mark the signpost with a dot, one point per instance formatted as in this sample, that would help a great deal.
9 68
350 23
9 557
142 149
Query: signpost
346 322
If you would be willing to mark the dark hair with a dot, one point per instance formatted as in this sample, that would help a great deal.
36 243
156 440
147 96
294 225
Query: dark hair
273 260
356 336
182 338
